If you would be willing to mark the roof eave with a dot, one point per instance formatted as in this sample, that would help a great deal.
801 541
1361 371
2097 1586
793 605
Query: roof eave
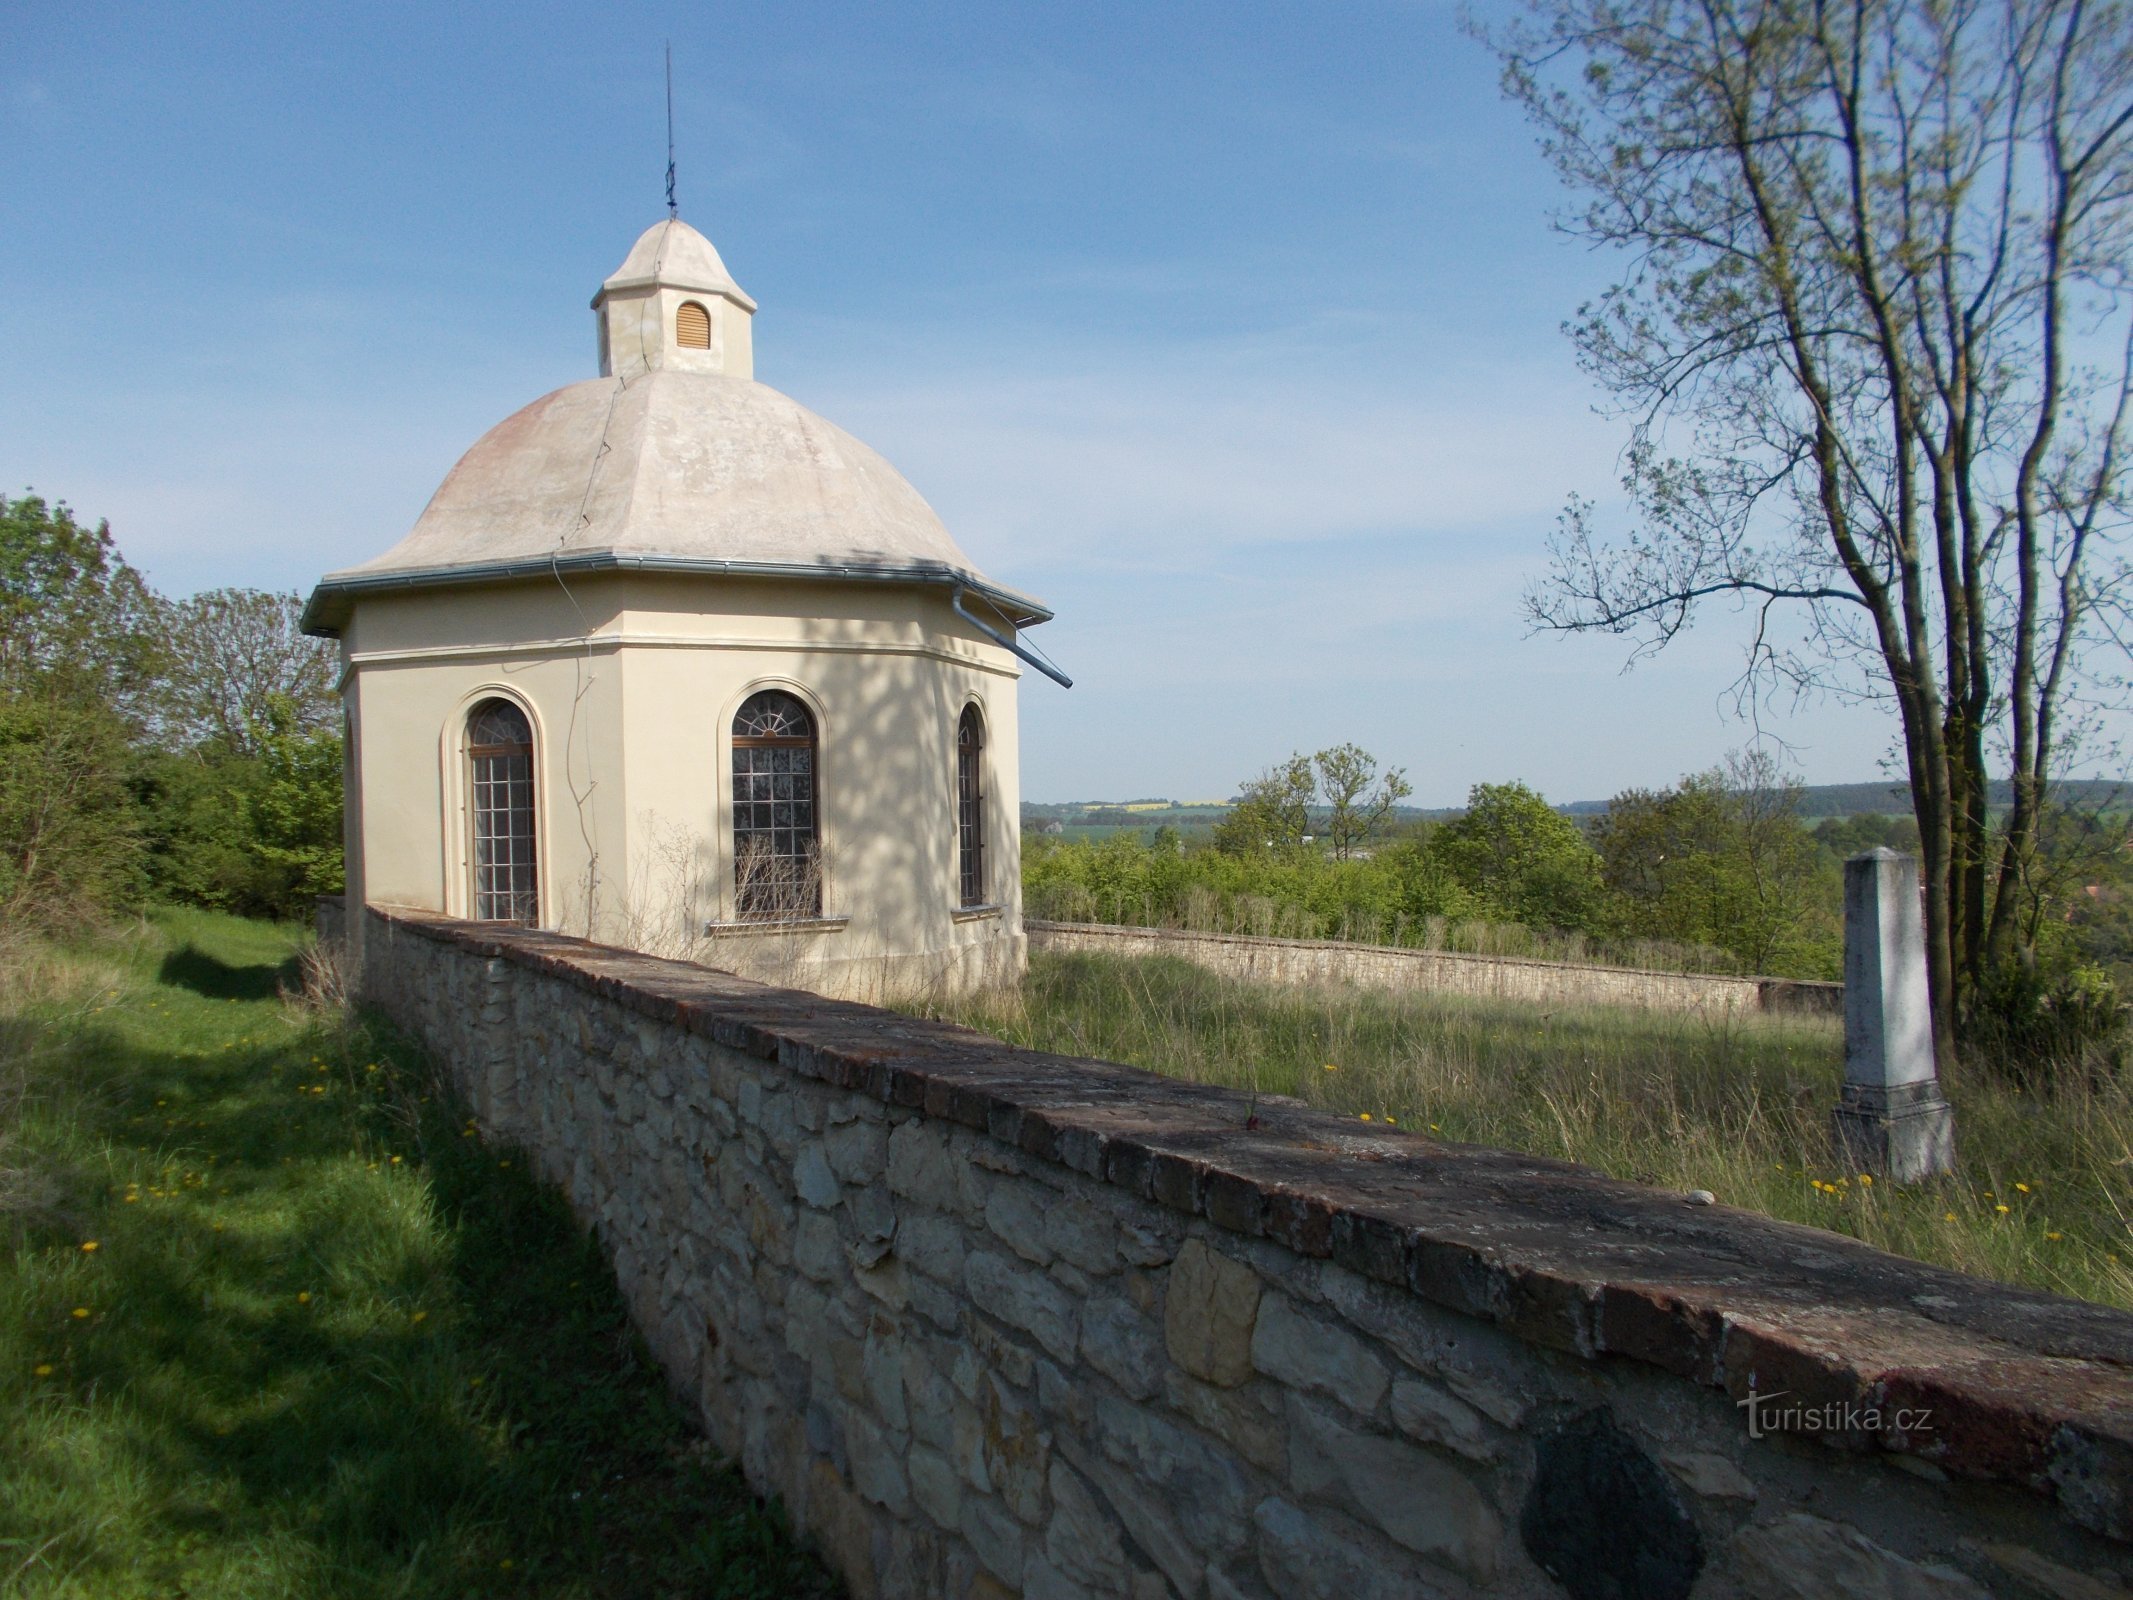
731 291
326 612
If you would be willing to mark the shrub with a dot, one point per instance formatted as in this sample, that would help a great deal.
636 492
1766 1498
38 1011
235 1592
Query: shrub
2045 1027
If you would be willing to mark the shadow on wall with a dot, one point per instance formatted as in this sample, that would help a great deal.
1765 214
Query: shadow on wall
886 774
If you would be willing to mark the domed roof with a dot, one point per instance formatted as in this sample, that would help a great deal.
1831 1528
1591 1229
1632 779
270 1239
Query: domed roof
668 469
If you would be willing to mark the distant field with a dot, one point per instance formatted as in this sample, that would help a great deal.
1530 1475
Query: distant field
1738 1106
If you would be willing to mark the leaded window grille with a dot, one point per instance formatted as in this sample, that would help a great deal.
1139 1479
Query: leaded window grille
970 805
506 857
777 857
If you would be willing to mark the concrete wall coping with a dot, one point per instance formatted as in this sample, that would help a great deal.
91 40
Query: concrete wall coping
2025 1388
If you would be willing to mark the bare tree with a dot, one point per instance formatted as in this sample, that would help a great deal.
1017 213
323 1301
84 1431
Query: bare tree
1874 339
231 653
1358 800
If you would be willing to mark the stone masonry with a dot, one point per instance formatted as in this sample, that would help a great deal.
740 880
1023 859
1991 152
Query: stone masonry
996 1323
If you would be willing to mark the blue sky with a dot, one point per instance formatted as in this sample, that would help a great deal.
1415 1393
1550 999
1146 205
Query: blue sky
1231 330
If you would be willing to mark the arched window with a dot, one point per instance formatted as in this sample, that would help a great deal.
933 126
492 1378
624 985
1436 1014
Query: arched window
500 781
692 326
970 805
777 862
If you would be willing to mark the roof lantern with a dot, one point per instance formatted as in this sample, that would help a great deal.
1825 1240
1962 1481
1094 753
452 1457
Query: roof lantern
672 304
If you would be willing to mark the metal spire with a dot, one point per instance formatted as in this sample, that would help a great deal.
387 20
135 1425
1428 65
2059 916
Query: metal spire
673 206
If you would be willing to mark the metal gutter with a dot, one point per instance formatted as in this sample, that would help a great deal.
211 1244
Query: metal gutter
325 611
1005 643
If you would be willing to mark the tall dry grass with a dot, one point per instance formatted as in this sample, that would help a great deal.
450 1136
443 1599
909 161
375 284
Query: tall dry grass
1739 1105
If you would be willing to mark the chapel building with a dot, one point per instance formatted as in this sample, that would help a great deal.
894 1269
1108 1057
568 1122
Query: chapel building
672 663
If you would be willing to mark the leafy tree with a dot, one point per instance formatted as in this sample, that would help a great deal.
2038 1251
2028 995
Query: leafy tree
68 845
1357 799
294 811
1521 857
1845 837
1273 811
75 620
239 808
1721 859
260 834
232 654
77 661
1875 335
195 829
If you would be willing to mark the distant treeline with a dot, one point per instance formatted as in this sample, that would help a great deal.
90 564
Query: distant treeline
1720 872
1813 801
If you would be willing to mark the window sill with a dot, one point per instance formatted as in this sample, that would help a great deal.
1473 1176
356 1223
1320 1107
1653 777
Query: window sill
977 913
727 930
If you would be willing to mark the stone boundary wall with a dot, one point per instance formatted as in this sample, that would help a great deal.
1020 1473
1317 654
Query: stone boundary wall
1384 966
995 1323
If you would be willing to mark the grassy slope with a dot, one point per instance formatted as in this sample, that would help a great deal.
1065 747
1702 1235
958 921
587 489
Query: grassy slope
1740 1107
282 1326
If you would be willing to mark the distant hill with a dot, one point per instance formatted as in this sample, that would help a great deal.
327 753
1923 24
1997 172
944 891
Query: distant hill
1894 799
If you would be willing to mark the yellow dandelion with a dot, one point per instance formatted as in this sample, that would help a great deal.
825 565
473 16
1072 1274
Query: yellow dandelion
304 1298
1432 1127
2055 1237
43 1369
2021 1188
2002 1210
1364 1115
80 1312
1950 1217
1330 1067
473 1383
396 1161
418 1316
1391 1118
1867 1178
88 1246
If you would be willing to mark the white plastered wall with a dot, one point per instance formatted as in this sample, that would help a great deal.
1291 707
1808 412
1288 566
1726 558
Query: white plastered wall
632 707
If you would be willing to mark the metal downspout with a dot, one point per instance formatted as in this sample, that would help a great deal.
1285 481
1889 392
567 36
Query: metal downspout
1005 643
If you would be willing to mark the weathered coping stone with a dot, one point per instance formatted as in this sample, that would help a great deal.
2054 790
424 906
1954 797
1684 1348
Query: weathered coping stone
2031 1394
1401 967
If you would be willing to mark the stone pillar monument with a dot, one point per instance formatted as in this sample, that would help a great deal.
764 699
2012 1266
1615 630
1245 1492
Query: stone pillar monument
1892 1119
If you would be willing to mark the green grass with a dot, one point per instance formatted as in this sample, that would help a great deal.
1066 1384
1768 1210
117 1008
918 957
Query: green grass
1739 1106
275 1323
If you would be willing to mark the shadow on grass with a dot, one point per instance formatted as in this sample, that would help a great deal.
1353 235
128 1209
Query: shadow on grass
190 967
408 1377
